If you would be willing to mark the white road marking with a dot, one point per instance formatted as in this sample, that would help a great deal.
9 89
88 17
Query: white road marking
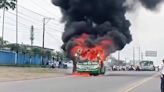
133 86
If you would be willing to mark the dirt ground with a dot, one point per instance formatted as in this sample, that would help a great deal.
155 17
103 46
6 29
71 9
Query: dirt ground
19 73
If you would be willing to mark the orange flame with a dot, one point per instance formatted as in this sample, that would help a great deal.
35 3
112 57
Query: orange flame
91 54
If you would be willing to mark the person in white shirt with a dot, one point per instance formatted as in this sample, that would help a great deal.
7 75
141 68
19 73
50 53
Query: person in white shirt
162 77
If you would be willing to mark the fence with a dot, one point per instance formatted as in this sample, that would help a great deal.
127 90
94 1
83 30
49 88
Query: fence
8 58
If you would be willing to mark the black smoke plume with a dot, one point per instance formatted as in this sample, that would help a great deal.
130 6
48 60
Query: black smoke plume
151 4
101 19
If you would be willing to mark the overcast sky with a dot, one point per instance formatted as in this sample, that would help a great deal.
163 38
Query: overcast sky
147 28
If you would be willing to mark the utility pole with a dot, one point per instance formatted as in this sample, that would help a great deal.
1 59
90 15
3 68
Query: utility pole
45 21
118 55
133 55
126 60
16 55
3 25
16 21
32 39
32 35
43 39
139 54
142 56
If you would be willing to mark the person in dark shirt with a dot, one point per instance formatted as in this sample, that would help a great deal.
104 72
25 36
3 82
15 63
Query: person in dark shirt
162 77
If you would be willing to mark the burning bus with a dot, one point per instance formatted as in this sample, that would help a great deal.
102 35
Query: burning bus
89 61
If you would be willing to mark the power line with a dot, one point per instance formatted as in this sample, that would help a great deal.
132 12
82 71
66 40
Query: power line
52 33
43 16
47 11
23 23
32 11
42 8
11 29
28 26
25 28
53 36
54 29
46 1
15 20
37 23
27 19
61 28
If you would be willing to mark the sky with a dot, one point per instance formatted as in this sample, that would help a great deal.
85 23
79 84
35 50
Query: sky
146 28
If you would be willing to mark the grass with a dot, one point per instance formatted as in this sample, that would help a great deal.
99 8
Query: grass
8 73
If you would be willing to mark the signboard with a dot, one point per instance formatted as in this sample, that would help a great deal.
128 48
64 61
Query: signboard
151 54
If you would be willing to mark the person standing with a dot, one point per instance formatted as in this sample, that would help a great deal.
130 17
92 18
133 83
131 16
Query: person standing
162 77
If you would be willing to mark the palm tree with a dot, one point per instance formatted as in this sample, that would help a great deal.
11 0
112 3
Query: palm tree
6 5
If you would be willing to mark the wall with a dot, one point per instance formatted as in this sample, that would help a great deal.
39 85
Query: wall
8 57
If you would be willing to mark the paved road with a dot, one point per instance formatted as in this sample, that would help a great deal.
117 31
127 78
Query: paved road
112 82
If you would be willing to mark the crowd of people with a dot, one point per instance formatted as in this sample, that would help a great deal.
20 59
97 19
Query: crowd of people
56 64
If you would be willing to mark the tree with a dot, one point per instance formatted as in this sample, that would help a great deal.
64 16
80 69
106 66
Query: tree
59 56
13 47
3 41
37 51
6 5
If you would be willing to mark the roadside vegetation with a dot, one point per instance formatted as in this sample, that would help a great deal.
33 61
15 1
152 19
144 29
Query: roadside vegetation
28 50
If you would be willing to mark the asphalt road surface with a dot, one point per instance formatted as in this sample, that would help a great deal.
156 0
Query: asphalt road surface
111 82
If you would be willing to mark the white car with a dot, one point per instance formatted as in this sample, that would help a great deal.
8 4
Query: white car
69 64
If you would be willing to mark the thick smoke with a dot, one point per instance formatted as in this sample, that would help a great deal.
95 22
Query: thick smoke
132 5
151 4
100 19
